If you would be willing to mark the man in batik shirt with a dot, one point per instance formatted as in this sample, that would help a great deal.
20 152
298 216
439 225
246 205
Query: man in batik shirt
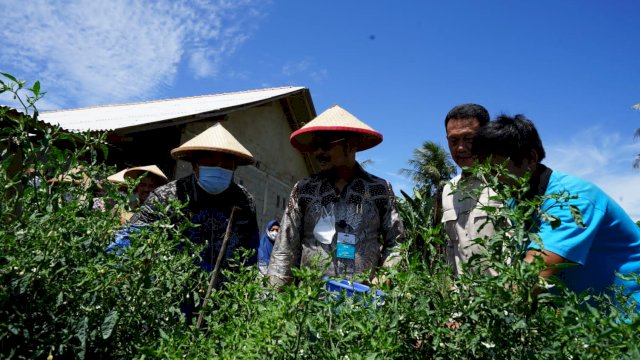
344 216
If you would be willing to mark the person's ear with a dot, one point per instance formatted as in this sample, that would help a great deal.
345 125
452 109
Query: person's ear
533 156
532 160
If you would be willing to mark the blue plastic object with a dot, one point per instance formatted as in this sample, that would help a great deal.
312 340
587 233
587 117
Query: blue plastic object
354 290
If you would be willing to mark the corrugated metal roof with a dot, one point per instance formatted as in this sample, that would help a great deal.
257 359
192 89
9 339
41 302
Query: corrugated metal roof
112 117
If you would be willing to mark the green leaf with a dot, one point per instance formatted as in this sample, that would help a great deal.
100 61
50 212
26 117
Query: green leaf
109 323
36 87
10 77
577 216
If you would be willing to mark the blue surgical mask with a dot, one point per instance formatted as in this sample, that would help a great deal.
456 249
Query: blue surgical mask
213 179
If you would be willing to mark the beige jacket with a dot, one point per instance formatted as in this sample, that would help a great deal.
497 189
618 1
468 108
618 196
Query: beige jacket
464 219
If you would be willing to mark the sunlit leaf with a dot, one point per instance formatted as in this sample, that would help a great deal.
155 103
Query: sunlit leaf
109 323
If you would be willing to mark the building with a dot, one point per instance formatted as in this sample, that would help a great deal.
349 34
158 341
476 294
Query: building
262 120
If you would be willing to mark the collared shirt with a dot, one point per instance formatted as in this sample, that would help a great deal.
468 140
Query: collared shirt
210 214
465 220
606 246
365 208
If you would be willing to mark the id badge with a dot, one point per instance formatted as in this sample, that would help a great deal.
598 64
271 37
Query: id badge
346 251
346 248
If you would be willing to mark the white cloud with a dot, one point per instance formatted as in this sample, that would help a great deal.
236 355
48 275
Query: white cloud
293 68
304 67
89 52
603 158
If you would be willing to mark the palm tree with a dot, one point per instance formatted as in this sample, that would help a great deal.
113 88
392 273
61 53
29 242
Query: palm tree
431 167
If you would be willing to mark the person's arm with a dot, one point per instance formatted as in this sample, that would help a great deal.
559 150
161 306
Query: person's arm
145 216
287 248
550 259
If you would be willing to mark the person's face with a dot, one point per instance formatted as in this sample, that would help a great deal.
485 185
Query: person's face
146 186
460 133
331 152
214 159
274 228
519 171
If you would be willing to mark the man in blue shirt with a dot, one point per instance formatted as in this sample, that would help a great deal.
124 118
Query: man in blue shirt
605 244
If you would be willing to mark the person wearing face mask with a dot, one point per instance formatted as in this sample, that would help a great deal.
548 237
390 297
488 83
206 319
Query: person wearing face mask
210 194
266 245
342 215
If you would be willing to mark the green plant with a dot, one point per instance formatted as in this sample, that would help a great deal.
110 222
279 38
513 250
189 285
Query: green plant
63 295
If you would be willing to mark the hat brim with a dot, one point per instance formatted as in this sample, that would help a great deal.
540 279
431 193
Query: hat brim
136 173
301 139
188 153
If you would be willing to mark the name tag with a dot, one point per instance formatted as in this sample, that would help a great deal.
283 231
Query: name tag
346 246
346 251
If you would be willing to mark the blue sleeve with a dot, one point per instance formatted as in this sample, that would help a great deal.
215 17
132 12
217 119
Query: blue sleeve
122 240
570 240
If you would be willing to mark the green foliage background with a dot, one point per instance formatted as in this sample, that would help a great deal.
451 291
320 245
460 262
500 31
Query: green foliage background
63 295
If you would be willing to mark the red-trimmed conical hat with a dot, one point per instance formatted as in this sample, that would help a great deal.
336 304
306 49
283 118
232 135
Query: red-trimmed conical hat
335 119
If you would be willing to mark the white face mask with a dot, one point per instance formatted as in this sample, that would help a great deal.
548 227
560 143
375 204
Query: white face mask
272 235
325 229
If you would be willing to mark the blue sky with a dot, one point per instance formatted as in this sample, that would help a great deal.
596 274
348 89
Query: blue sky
571 66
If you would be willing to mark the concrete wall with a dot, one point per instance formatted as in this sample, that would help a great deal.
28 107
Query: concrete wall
265 132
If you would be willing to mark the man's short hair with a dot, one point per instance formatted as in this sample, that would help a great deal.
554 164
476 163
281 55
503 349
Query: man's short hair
511 137
468 111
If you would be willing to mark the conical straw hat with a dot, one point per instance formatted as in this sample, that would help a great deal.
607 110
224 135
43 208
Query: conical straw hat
139 170
117 178
214 139
76 175
335 119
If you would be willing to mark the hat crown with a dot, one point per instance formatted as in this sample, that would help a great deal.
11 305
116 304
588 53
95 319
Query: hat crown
151 169
215 139
336 119
337 116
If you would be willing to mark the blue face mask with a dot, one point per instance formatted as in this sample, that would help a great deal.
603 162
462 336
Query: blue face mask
213 179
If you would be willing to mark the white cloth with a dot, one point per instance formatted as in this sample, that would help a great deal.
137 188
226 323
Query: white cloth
464 219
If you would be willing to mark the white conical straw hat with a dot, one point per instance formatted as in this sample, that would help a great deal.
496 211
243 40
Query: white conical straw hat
118 178
139 170
76 175
214 139
336 119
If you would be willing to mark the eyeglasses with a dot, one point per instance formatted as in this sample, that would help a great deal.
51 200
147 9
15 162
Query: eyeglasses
324 144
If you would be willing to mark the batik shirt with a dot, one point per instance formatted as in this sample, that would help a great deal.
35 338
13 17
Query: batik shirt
366 208
211 214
